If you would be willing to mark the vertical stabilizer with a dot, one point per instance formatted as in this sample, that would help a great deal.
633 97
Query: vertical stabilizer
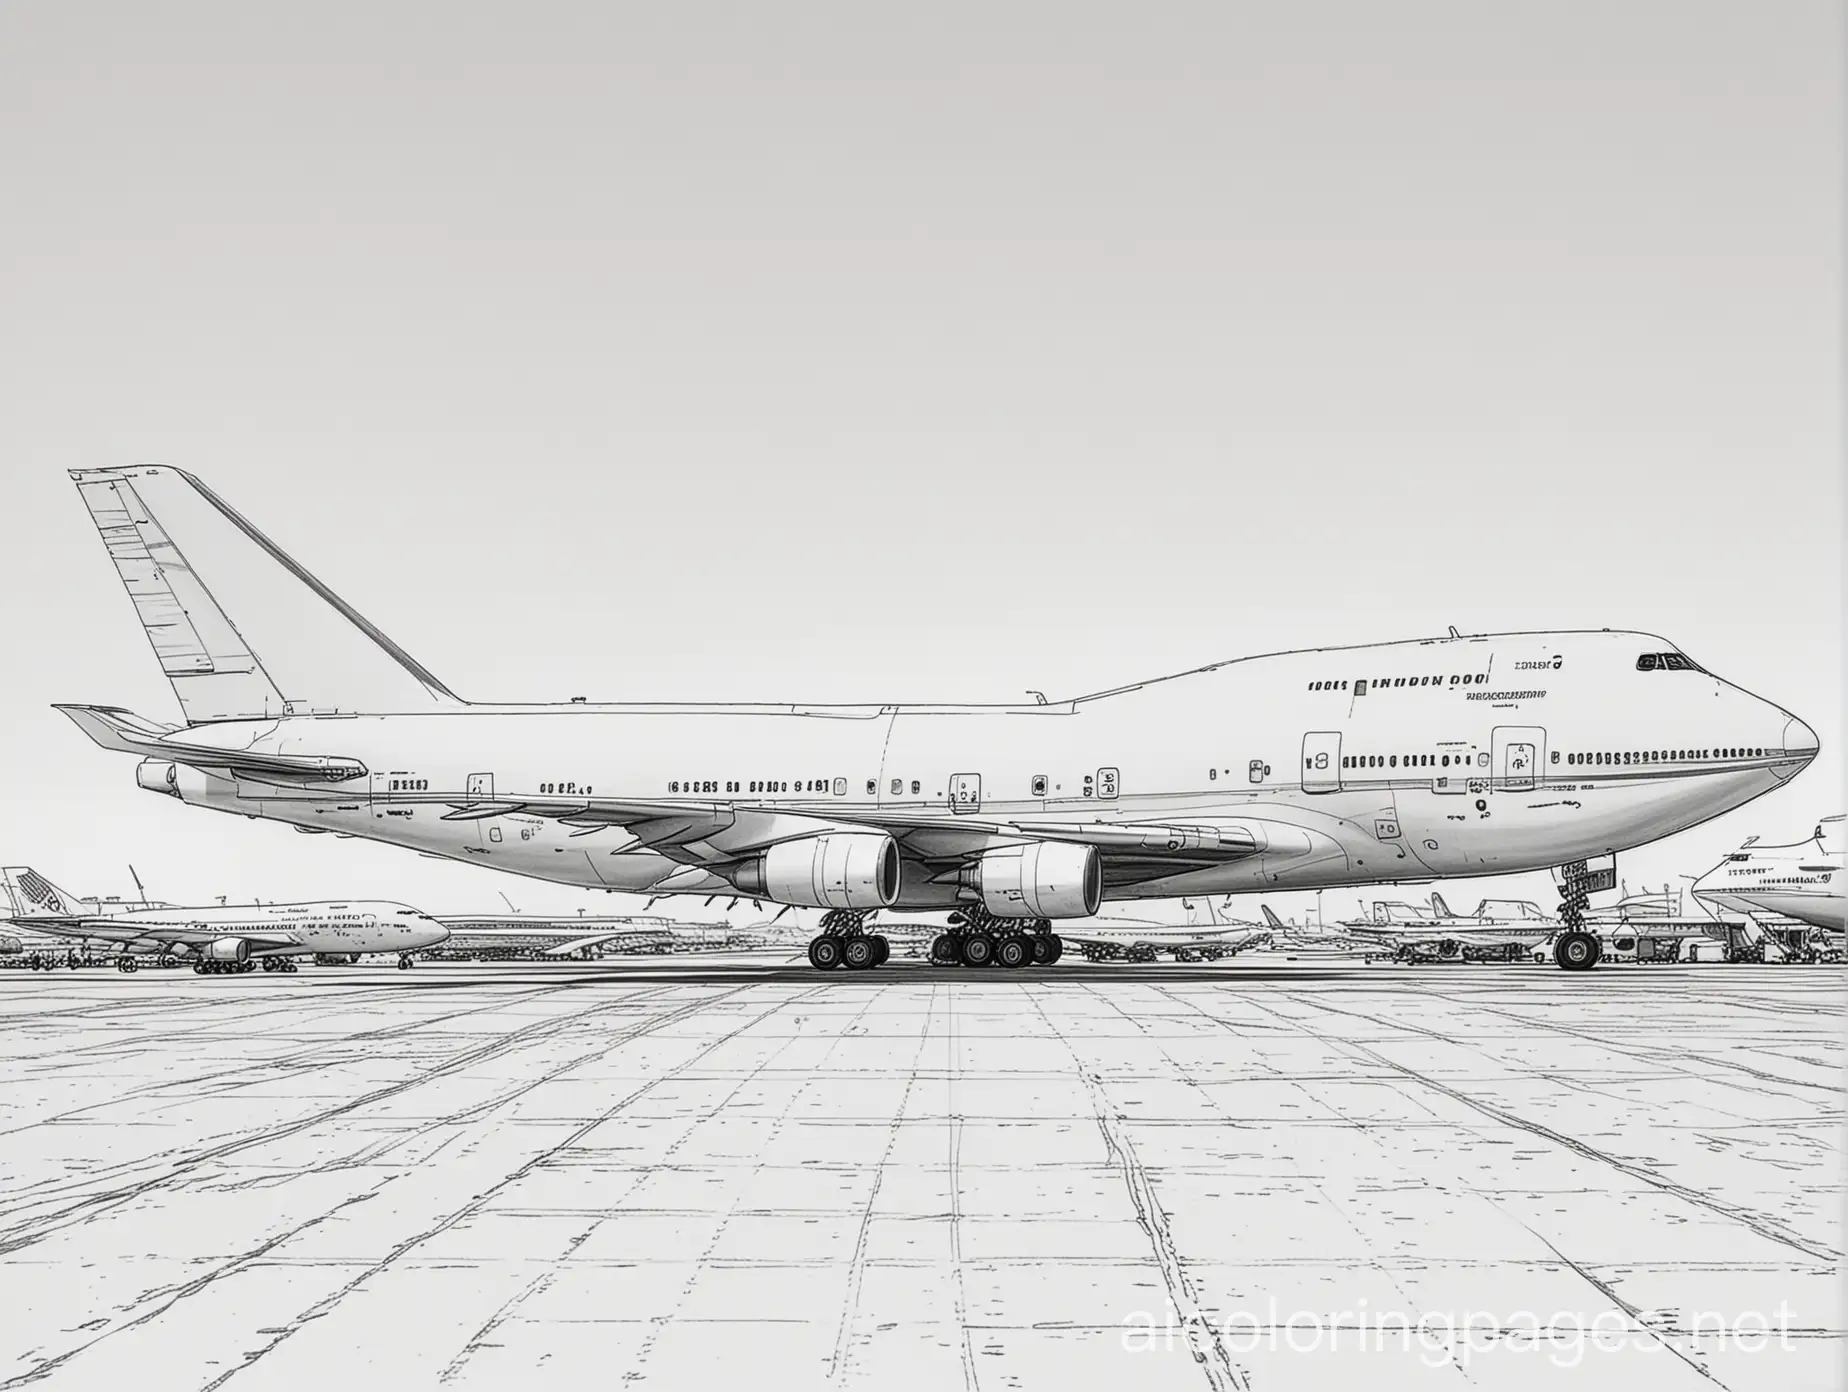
30 895
211 662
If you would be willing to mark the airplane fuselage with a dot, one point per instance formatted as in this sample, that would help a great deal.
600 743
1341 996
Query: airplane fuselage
275 929
1404 761
1801 882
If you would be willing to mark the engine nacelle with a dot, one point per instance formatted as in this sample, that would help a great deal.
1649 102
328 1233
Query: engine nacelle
836 870
158 776
1043 879
227 950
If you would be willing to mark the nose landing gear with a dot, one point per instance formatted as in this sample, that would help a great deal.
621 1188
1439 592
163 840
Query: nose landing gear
1575 949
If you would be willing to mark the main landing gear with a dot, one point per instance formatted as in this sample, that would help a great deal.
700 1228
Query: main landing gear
844 942
1575 949
404 962
278 964
977 938
125 963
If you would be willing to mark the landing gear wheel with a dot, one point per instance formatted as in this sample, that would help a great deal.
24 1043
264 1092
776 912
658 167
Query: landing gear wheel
288 965
978 950
404 964
1042 949
859 954
1058 949
945 951
884 949
1013 951
825 953
1577 951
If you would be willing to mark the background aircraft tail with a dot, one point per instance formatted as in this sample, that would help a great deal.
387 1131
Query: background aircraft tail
1204 913
1270 917
144 516
31 895
1439 907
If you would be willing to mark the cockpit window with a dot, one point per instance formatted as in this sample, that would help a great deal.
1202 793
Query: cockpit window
1668 661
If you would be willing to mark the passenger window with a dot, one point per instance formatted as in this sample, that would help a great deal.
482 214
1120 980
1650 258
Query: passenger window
915 787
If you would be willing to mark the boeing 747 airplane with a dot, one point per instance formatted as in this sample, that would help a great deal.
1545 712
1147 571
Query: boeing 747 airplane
220 938
1464 755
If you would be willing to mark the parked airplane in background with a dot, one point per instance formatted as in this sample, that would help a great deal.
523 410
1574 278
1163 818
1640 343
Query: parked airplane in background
1308 937
565 936
1501 930
1208 934
1436 757
220 938
1802 881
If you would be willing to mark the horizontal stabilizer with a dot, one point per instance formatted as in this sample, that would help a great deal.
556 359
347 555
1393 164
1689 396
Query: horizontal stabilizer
127 733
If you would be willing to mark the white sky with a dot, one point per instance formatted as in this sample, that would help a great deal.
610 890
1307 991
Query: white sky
850 352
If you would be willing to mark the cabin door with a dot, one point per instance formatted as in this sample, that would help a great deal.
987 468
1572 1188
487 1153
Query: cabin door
1322 761
1516 754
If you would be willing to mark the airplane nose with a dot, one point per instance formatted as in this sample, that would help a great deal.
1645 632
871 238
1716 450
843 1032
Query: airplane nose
1799 739
1800 742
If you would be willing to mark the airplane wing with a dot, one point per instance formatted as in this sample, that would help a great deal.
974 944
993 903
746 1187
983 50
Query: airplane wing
685 832
557 942
565 949
115 930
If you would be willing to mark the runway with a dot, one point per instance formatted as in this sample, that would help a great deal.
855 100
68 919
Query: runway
700 1172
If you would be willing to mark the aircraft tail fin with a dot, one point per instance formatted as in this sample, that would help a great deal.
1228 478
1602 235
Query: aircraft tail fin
210 662
31 895
1202 913
1270 917
1439 907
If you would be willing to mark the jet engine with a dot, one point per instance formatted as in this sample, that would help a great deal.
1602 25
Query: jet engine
227 950
1042 879
836 870
158 776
